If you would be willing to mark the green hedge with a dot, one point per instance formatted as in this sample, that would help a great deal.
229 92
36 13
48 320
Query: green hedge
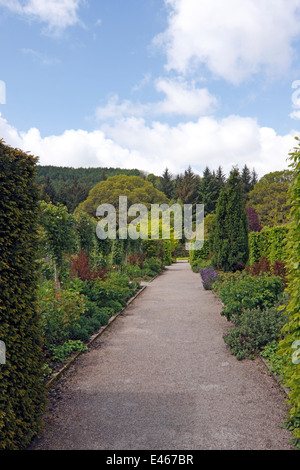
196 257
270 243
22 385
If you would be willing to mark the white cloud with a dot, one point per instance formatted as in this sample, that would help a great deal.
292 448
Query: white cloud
295 115
181 98
233 39
227 142
184 99
131 143
56 14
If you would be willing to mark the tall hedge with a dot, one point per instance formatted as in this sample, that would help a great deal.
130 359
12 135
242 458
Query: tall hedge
270 243
22 387
289 346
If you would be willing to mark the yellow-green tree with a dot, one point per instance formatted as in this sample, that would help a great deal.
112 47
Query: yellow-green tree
137 190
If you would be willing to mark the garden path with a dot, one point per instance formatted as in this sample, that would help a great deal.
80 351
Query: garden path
161 378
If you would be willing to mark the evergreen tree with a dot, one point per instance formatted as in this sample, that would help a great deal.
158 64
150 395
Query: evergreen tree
210 187
187 189
47 192
254 179
167 185
229 241
246 179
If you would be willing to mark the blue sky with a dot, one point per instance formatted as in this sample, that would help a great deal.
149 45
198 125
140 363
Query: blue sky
151 84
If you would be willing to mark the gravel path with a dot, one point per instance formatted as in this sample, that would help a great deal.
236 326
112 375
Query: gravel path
161 378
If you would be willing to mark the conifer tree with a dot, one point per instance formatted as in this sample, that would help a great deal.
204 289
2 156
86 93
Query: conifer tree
167 186
187 190
229 240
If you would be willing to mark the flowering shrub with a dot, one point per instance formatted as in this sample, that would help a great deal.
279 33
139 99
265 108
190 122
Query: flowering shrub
209 277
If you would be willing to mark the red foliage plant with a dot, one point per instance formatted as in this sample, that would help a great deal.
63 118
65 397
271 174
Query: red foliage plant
80 267
278 268
138 259
253 220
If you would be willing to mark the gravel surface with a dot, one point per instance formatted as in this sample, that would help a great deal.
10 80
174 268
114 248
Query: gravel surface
161 378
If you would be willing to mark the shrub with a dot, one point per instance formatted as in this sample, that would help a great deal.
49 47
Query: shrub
240 291
209 277
80 268
254 329
153 266
60 309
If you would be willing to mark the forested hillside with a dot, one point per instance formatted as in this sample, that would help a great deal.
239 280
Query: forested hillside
71 186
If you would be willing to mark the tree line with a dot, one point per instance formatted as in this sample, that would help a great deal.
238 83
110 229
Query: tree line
70 186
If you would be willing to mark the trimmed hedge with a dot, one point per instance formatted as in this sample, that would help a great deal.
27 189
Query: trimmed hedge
22 384
270 243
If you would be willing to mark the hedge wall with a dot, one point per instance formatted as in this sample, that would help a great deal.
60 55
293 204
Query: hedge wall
270 243
22 387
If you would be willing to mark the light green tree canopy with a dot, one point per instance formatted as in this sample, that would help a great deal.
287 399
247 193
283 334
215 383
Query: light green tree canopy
137 190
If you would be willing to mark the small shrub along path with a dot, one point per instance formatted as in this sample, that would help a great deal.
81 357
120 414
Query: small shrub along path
161 378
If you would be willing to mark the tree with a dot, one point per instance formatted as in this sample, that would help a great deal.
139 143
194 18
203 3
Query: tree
229 239
47 192
137 190
253 220
210 187
58 233
72 196
187 188
270 198
167 185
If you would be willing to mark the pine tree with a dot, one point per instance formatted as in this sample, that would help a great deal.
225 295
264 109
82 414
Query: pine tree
167 186
187 189
210 187
229 240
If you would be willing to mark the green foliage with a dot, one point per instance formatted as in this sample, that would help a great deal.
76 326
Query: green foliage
70 186
58 234
62 352
137 190
270 243
254 328
86 232
22 387
153 266
229 239
270 353
270 198
241 291
187 187
59 309
291 330
210 187
116 288
167 184
196 257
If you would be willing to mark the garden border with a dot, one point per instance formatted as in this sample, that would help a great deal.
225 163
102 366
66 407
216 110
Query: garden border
95 336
